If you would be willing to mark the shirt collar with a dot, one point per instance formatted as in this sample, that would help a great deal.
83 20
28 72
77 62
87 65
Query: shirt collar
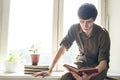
80 29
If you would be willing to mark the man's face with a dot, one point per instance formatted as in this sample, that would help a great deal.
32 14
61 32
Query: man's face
87 24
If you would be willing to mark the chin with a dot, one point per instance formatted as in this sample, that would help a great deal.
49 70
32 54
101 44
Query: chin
85 31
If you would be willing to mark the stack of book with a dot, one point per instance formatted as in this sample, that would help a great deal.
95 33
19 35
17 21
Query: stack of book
30 69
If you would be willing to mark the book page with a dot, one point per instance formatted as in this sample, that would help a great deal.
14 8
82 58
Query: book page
80 71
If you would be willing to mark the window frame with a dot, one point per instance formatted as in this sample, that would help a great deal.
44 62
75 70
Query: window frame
57 24
4 20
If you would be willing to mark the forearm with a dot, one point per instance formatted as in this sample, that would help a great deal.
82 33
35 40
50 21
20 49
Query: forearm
101 66
60 52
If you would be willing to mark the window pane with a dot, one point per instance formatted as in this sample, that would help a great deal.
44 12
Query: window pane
30 22
70 17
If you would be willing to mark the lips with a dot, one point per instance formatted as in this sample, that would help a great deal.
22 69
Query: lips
86 29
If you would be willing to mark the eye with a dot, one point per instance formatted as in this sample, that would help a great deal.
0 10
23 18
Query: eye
81 21
89 21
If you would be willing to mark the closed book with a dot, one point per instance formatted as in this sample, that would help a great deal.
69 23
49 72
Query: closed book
30 69
29 72
80 71
33 69
36 67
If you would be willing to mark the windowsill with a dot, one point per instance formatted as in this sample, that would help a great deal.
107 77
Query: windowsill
22 76
54 76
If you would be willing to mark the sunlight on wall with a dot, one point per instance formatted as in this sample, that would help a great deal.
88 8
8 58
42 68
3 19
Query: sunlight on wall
114 24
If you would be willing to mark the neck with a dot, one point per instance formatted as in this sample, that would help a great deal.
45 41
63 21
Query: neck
88 33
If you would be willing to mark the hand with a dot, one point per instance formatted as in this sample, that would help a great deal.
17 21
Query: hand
76 76
84 77
43 73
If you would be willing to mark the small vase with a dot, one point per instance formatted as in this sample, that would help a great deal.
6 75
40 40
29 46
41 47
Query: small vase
11 66
35 59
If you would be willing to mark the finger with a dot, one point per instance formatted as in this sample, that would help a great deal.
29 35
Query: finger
34 74
85 76
37 74
45 74
76 76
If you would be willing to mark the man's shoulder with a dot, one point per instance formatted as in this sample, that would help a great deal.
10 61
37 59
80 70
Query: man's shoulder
101 32
75 26
100 28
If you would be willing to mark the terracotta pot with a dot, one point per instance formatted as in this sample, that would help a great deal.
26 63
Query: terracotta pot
35 59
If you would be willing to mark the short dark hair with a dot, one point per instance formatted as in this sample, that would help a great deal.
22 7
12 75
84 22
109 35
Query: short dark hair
86 11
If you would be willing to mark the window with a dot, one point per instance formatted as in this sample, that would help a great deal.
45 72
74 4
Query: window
44 21
31 23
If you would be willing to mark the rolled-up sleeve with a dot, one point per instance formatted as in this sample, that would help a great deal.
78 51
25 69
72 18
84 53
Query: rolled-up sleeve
69 38
104 48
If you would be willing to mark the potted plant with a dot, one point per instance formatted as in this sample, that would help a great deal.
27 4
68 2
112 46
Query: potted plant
11 62
34 50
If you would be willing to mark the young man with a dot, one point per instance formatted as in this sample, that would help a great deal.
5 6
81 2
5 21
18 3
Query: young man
93 43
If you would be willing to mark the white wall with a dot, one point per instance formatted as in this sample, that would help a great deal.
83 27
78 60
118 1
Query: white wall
0 21
114 28
4 17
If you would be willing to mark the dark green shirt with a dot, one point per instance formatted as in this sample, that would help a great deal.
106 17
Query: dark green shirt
92 49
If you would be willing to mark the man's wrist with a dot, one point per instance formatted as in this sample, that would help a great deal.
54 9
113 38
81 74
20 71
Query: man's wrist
51 69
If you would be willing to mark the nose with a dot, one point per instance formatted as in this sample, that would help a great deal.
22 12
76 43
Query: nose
85 24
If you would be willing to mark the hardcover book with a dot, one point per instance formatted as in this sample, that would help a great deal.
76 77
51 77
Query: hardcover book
30 69
36 67
80 71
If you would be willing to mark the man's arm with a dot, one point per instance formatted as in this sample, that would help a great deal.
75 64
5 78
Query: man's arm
60 52
101 66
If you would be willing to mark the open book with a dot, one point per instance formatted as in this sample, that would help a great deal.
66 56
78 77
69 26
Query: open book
80 71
